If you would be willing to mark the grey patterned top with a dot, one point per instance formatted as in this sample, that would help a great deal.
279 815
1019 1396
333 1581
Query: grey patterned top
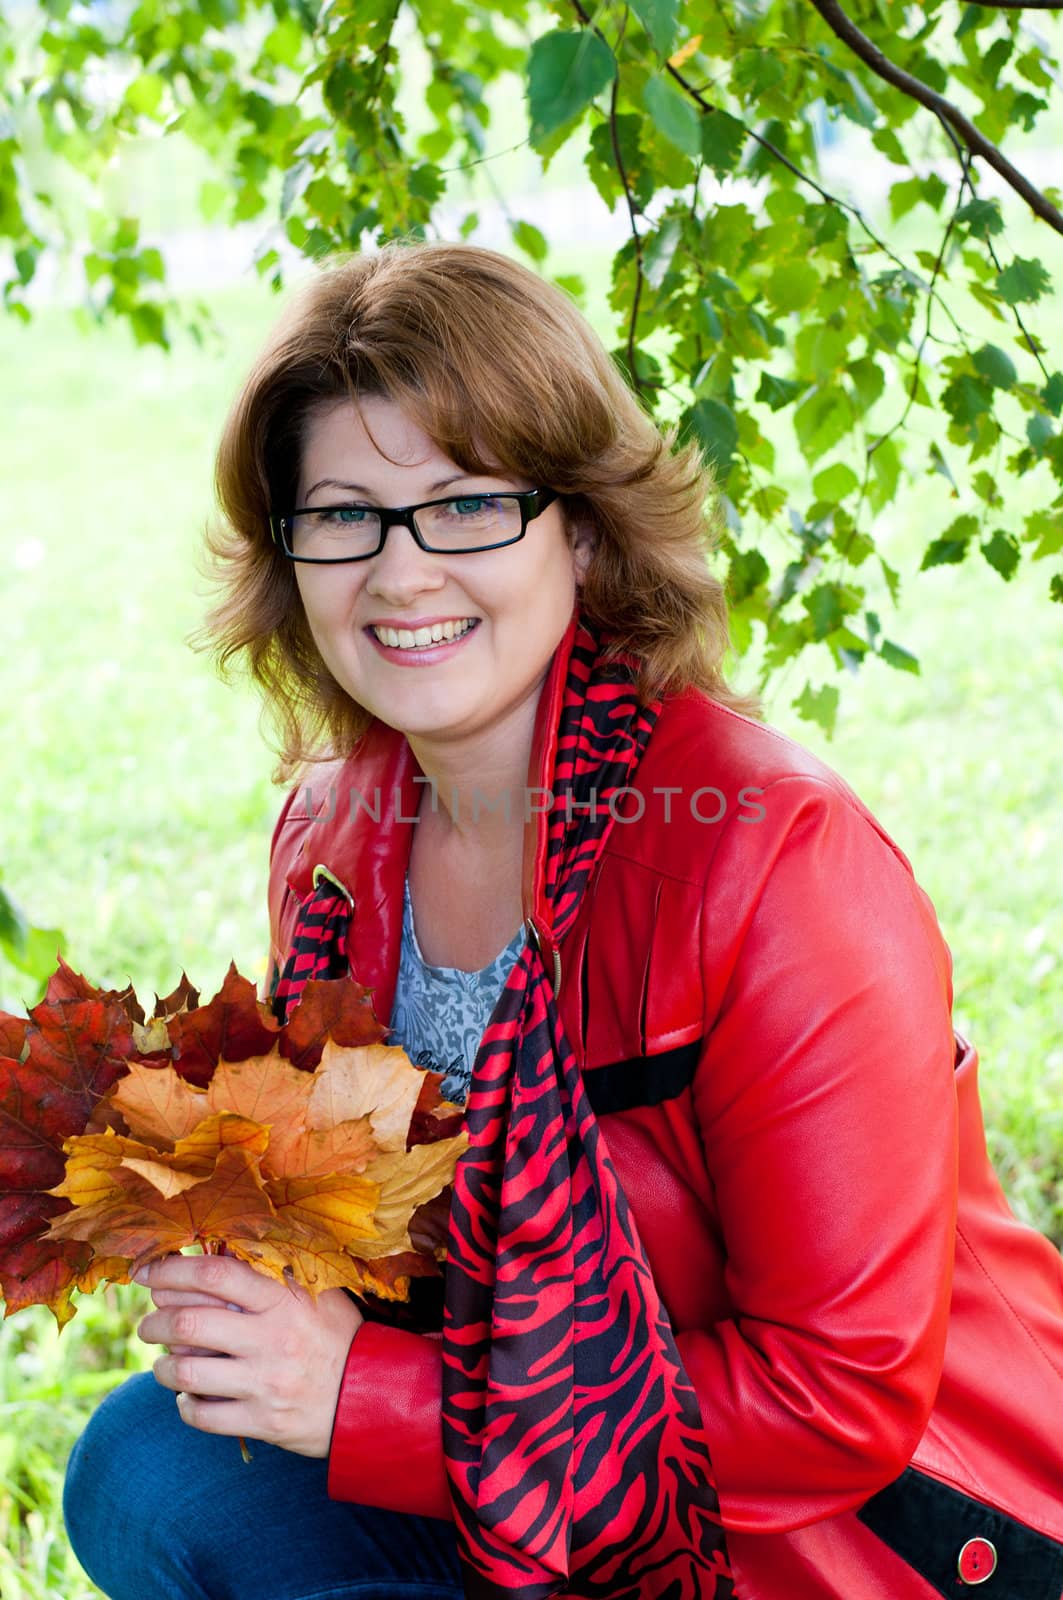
440 1013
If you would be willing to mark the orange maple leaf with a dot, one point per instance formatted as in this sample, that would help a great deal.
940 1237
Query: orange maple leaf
326 1157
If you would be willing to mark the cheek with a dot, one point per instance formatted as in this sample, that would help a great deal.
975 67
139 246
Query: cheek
325 599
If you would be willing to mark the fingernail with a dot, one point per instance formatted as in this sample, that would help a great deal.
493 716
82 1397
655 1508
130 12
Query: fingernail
140 1275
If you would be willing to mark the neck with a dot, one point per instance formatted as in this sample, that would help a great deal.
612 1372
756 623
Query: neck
477 793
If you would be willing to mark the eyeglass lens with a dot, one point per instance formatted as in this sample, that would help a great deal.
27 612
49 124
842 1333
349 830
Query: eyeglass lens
453 525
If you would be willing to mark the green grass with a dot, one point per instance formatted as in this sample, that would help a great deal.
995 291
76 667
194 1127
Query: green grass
48 1385
138 803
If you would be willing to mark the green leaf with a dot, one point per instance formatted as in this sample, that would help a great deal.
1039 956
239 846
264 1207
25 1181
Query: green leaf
819 706
565 73
966 400
43 946
1002 553
527 237
126 234
31 950
722 140
1047 528
144 95
1023 281
822 420
996 366
1039 431
13 927
152 265
149 326
885 473
715 428
708 321
835 482
573 285
1055 588
285 42
1052 393
755 72
659 250
824 606
893 655
660 18
747 571
675 115
908 193
952 546
866 378
983 217
939 464
793 285
778 392
213 198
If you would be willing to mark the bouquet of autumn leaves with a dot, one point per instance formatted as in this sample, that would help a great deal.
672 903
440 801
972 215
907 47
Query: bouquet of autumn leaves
310 1148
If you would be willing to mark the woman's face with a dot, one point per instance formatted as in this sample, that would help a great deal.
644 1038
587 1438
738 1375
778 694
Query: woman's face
519 597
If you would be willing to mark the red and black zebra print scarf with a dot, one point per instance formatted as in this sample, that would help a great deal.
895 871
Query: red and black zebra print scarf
577 1461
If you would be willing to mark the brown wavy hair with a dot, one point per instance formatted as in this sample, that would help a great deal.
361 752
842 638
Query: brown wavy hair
504 375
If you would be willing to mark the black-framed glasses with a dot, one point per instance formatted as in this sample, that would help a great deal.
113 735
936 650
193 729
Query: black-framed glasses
456 526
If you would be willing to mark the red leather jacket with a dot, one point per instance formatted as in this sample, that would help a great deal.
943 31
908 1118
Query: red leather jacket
759 997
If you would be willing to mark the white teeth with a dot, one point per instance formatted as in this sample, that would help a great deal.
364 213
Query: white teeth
405 639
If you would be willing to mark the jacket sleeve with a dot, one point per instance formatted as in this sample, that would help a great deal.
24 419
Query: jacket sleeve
826 1105
387 1440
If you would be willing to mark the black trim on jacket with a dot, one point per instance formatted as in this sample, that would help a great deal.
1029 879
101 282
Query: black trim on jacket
927 1523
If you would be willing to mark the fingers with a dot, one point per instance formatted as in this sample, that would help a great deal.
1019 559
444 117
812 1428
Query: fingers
198 1327
191 1297
205 1376
222 1277
216 1416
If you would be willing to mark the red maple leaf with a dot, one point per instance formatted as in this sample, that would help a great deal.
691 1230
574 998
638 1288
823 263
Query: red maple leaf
338 1009
74 1046
232 1026
115 1136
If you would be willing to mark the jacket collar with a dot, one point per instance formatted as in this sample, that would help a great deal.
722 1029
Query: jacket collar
363 824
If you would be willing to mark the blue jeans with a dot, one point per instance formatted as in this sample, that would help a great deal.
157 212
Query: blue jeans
156 1510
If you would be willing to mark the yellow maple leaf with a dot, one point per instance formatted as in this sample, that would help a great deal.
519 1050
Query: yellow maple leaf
377 1081
132 1219
158 1104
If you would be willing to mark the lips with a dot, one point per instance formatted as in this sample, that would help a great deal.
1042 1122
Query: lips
416 655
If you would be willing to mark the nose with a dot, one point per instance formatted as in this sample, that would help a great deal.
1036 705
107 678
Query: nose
402 569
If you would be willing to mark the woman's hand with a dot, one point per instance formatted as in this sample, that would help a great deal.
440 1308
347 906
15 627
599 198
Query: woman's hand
249 1356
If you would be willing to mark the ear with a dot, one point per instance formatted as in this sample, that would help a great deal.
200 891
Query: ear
584 542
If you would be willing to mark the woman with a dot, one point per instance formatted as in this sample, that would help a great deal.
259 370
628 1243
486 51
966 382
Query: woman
733 1301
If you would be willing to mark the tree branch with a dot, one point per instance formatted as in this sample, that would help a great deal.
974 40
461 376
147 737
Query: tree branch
832 199
636 240
870 54
965 182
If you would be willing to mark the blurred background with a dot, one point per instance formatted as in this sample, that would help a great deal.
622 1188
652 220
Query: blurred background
137 800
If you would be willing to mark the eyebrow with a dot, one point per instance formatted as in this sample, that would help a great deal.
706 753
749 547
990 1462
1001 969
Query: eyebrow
360 488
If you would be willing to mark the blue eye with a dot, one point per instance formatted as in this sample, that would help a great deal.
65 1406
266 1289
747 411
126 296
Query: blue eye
348 515
472 505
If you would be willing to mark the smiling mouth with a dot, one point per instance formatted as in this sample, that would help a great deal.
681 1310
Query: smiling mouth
424 638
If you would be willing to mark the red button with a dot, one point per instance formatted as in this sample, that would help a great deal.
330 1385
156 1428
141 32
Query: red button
977 1562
